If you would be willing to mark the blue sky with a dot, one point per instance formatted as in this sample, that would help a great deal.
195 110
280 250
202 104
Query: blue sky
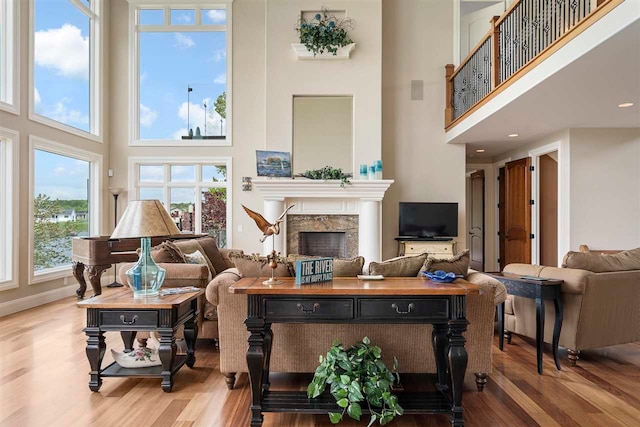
60 177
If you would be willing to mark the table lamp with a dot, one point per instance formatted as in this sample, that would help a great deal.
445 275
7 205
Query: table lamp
145 219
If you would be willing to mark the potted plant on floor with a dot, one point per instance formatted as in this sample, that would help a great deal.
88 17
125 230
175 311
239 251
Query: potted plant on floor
357 375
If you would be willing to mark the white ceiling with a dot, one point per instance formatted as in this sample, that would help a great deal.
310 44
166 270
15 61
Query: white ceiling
583 94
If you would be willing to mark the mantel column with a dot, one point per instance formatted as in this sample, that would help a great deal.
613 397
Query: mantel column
273 208
370 230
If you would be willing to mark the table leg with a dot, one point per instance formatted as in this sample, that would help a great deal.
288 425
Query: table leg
95 274
167 353
256 364
268 341
78 273
457 358
439 337
96 348
501 325
190 337
539 331
557 326
127 338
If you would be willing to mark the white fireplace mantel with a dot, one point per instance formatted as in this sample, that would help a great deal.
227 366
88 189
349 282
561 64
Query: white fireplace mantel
369 193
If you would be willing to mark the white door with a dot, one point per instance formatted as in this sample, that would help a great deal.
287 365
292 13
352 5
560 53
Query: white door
475 23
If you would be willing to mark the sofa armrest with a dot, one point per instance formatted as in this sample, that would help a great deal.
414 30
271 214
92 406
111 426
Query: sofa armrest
221 283
487 282
575 281
178 274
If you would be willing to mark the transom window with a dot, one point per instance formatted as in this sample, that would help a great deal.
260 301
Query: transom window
181 68
196 193
66 52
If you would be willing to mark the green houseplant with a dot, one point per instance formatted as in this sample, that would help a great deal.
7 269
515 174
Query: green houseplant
327 172
357 375
325 32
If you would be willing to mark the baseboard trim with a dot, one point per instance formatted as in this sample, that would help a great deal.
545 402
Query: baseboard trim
31 301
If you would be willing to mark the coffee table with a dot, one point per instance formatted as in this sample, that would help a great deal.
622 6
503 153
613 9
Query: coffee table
120 312
538 289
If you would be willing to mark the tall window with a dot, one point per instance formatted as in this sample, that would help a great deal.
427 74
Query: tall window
65 64
8 209
63 204
196 193
181 73
9 98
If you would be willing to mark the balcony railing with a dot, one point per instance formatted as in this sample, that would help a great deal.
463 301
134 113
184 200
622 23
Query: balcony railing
524 34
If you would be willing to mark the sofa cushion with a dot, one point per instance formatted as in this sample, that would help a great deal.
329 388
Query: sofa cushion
212 252
603 263
258 266
192 246
458 265
342 267
167 252
402 266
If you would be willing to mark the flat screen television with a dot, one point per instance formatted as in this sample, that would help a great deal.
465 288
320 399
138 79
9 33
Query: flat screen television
428 220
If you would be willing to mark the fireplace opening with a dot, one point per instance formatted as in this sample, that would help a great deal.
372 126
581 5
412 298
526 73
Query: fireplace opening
322 243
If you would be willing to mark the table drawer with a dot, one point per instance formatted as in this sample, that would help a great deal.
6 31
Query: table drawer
128 318
317 308
405 308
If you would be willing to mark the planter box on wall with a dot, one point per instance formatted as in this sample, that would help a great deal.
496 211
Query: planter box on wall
302 52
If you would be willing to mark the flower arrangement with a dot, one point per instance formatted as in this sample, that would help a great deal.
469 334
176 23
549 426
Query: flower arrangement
325 32
327 172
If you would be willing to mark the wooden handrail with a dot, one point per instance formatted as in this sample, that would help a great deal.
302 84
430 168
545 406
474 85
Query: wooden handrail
508 11
471 53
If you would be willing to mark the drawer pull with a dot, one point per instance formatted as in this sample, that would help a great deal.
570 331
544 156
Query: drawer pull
133 320
410 307
305 311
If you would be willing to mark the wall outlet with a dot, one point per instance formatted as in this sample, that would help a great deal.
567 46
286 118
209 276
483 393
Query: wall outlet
110 173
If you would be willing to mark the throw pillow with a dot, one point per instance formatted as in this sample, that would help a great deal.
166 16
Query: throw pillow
458 265
403 266
196 258
210 247
258 266
191 246
342 267
602 263
167 252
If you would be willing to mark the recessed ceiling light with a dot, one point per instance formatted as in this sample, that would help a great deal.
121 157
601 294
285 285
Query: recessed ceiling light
480 150
625 105
513 135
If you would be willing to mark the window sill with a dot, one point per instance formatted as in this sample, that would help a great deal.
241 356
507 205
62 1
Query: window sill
8 284
10 108
66 128
216 142
50 274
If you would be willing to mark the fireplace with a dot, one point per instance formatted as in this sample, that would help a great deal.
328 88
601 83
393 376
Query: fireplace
323 243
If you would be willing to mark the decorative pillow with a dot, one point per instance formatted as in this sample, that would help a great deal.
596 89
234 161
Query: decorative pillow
196 258
210 247
602 263
402 266
192 246
167 252
258 266
458 265
342 267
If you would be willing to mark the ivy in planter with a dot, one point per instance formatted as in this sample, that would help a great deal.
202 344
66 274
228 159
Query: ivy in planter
324 33
357 375
327 172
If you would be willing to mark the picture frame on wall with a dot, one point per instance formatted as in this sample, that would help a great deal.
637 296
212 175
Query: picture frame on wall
273 164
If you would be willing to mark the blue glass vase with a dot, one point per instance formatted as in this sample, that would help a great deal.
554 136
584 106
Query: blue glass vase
145 278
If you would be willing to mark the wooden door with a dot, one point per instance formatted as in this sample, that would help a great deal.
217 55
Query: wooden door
517 212
501 208
476 225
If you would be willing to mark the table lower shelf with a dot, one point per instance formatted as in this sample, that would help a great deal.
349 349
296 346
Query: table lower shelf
115 370
425 402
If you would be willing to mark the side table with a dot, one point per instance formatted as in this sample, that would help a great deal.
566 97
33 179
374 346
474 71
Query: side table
120 312
539 289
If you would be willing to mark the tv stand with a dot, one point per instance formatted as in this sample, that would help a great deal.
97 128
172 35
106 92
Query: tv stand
418 245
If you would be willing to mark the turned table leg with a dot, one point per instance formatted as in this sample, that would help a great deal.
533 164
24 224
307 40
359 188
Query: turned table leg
457 358
167 353
481 380
439 337
268 341
557 302
96 347
256 365
539 332
127 339
190 337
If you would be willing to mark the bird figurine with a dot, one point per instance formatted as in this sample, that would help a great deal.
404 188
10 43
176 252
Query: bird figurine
265 226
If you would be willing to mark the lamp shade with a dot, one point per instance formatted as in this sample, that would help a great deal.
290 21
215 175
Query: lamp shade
145 218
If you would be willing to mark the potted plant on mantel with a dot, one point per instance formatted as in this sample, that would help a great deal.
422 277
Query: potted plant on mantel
324 36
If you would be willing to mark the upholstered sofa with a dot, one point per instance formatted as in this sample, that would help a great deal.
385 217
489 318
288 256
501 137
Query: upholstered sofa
296 347
601 308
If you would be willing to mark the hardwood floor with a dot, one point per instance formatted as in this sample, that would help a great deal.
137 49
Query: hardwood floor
44 376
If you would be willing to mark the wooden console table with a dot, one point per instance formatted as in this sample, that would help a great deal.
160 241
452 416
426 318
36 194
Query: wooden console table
349 300
123 313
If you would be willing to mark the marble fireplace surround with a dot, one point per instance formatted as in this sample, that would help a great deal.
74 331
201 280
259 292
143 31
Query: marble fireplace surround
315 197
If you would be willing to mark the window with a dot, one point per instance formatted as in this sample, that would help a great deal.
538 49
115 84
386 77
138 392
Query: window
65 65
65 186
8 209
181 74
196 192
9 48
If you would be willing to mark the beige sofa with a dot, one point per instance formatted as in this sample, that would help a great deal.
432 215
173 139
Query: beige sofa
296 347
600 309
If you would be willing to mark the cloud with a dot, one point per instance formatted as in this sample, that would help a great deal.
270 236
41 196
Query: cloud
61 113
196 115
147 116
63 50
36 96
143 76
221 79
183 41
219 55
183 18
217 15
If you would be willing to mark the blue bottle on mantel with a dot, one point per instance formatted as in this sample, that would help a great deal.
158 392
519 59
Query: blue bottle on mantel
146 277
